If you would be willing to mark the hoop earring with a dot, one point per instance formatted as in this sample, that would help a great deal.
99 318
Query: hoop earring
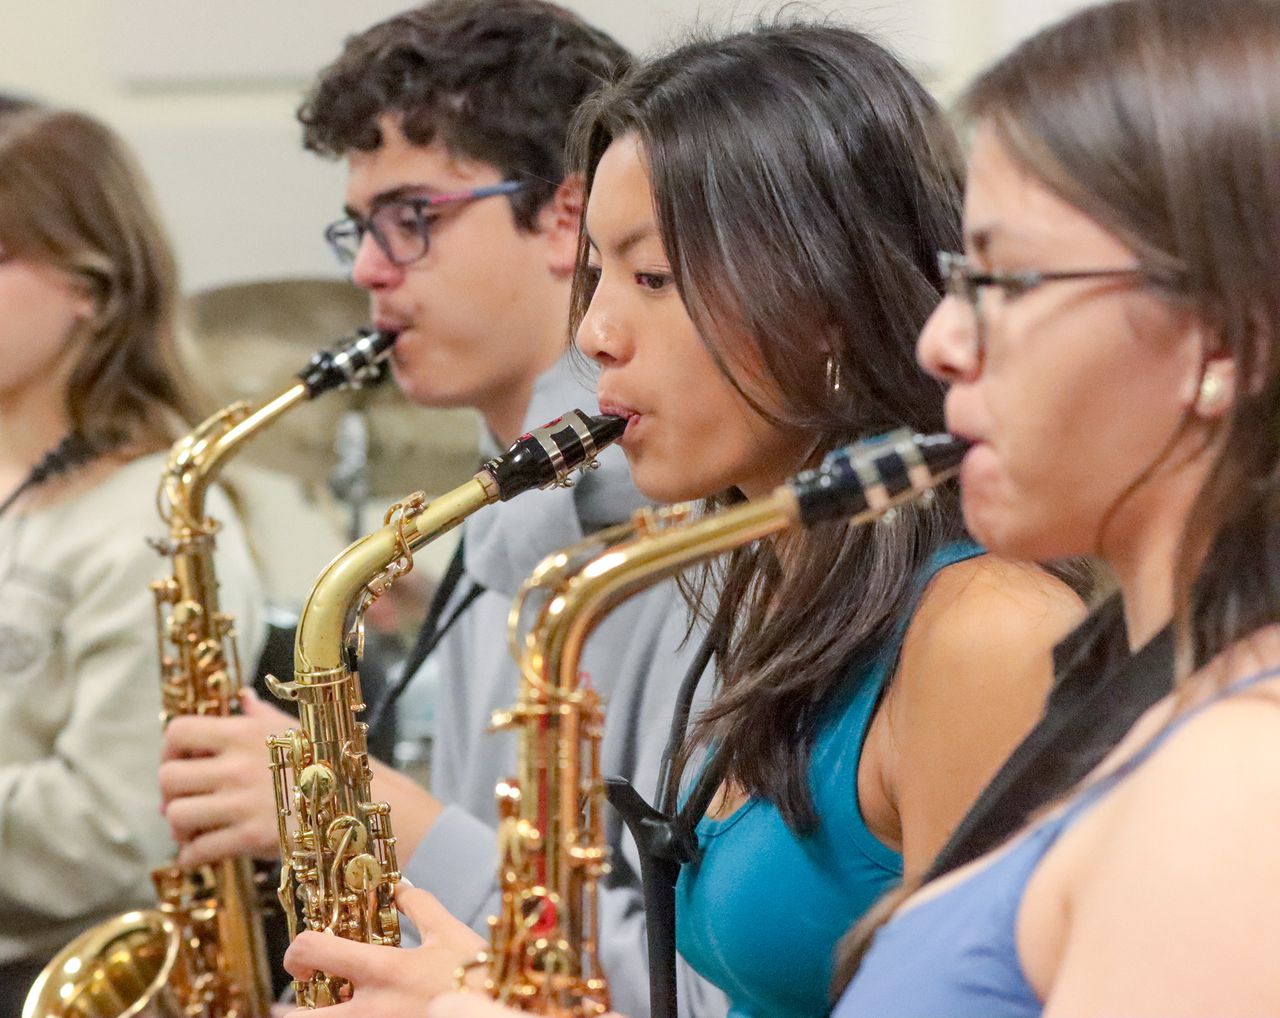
833 374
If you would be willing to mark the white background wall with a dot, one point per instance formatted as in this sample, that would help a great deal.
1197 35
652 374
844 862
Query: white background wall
205 91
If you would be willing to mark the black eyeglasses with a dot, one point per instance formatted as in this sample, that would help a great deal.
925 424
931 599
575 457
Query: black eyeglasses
401 227
961 281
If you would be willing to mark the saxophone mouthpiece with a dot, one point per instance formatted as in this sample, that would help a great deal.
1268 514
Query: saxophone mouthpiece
356 363
875 474
547 456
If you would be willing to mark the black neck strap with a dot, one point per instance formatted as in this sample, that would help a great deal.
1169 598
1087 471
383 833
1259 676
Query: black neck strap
666 837
73 451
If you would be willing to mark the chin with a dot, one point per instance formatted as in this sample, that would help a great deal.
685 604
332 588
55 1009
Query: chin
1017 538
661 486
420 392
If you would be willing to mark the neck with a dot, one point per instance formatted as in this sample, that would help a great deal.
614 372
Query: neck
504 415
31 423
505 409
1146 551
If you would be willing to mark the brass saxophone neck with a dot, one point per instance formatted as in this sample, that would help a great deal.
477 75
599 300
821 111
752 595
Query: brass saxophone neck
544 457
196 460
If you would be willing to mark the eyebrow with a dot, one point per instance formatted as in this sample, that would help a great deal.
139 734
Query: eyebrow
980 239
393 194
628 241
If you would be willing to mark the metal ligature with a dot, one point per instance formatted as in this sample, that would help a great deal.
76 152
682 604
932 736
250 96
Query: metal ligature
199 953
336 842
544 954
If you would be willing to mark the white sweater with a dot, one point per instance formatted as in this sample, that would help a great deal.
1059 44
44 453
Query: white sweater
80 823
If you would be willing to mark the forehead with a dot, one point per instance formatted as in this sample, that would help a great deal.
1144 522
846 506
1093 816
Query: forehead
621 201
1007 208
398 164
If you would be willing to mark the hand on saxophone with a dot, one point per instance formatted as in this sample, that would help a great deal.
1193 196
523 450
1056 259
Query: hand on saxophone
216 786
390 982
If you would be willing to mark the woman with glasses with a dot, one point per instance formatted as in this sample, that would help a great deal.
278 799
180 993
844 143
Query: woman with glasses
90 399
1112 347
757 259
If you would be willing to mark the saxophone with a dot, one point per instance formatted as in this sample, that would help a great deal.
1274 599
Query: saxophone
200 953
338 853
543 954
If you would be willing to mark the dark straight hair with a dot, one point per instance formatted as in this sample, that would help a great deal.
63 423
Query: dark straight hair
1160 120
804 182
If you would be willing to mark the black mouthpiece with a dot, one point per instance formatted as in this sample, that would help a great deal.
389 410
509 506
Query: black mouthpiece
875 474
355 364
547 456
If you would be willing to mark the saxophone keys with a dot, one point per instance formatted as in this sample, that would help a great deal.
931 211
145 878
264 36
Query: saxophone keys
282 690
362 872
346 833
317 783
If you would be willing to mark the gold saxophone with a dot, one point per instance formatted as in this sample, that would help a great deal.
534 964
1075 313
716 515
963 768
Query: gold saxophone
544 953
338 852
200 953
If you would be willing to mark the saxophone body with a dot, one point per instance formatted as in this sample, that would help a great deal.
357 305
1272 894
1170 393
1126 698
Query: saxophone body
339 863
544 954
200 953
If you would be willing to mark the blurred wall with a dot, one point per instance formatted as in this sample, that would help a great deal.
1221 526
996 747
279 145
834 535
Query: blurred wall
205 91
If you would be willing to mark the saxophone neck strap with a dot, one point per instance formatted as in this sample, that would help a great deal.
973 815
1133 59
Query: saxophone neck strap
75 450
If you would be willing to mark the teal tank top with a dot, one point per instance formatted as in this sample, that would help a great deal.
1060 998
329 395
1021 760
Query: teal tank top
759 914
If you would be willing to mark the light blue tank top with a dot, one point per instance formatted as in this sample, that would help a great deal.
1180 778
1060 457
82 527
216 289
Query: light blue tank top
956 955
760 913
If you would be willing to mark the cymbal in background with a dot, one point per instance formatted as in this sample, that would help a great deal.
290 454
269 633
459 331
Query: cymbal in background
248 341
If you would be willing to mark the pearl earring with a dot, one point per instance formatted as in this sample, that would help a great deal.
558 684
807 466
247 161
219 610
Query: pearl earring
1212 391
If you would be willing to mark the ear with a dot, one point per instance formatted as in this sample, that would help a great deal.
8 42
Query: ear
559 221
1216 392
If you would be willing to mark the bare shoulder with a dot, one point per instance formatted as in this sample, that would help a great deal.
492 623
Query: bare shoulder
982 615
1175 874
975 668
1218 771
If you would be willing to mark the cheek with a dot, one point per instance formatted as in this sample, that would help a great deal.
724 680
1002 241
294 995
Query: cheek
698 440
1068 435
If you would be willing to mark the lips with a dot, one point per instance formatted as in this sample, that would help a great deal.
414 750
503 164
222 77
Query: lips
610 405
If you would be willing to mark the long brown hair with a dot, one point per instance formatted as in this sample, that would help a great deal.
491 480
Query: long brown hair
71 196
804 182
1160 119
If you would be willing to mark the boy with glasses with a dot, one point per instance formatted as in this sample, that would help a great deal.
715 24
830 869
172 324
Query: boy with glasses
461 225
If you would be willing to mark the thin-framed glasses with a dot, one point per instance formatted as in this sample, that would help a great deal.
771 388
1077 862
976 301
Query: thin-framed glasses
401 227
960 280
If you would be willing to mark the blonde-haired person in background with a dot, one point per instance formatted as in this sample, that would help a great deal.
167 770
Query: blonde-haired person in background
91 397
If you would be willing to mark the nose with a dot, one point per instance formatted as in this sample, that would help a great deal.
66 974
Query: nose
602 334
372 269
949 347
